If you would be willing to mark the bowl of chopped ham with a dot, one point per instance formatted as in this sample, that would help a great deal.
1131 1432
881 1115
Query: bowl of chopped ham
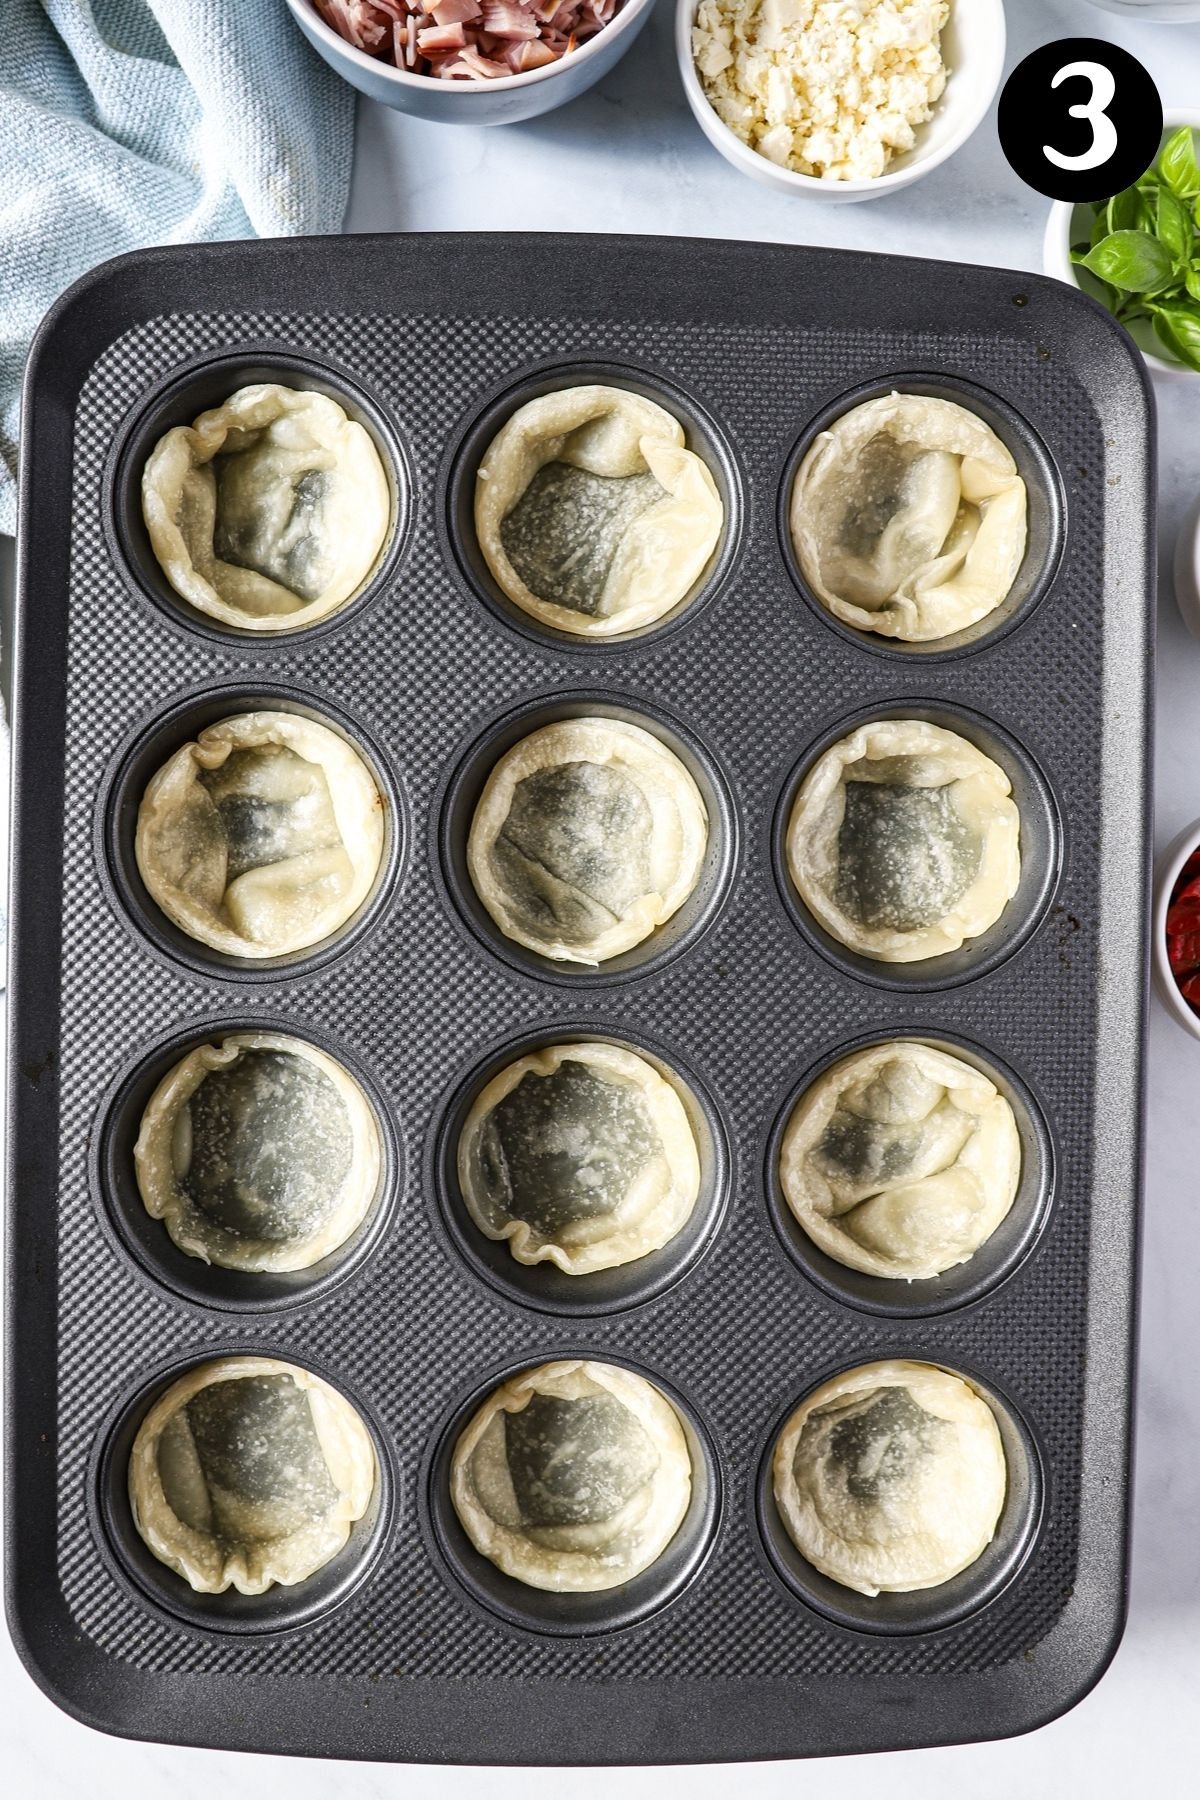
471 62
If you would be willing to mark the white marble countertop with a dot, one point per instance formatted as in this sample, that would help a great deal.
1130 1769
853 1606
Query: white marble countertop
628 157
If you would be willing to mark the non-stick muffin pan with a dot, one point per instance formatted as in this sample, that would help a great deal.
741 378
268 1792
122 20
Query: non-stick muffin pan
409 1644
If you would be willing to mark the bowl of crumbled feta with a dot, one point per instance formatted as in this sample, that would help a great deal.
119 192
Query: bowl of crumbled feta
839 99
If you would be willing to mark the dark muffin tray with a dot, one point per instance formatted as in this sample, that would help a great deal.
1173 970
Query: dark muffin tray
408 1645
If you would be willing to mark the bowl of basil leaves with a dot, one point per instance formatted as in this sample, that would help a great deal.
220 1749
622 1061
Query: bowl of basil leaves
1138 253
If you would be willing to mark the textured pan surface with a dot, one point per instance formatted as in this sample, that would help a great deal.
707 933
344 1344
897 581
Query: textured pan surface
760 339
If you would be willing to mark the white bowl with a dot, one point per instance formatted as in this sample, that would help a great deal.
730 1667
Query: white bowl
973 50
1061 230
1162 12
503 101
1165 876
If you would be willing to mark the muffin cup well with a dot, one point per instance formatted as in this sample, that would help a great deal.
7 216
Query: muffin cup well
998 1257
925 1609
241 1615
572 1615
150 746
454 813
146 1239
543 1285
1046 515
702 435
1041 842
179 399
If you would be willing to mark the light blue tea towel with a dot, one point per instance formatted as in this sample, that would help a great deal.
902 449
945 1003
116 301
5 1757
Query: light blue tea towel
133 122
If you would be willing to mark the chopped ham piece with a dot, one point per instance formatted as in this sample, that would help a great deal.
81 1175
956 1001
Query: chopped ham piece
483 66
508 19
468 40
439 40
521 57
358 21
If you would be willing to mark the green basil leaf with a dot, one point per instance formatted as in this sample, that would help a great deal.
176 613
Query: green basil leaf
1166 337
1177 323
1191 281
1100 290
1177 163
1144 208
1126 211
1174 225
1132 260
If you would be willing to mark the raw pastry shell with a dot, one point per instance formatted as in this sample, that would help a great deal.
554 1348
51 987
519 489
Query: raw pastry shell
357 808
925 1553
196 1555
982 797
678 844
585 1558
987 1168
654 1211
616 433
952 591
201 1237
263 604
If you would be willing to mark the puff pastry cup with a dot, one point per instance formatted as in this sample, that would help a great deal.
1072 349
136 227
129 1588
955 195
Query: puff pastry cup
580 1155
249 1472
591 513
891 1477
588 835
258 1153
269 511
572 1477
904 841
262 837
901 1160
908 518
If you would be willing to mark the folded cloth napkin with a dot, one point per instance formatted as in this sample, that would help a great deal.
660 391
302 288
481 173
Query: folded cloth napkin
133 122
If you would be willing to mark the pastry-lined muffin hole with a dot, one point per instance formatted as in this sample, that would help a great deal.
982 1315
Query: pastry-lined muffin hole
909 541
574 1173
906 1478
574 1497
248 1167
903 885
257 496
585 840
914 1161
244 1494
252 834
588 506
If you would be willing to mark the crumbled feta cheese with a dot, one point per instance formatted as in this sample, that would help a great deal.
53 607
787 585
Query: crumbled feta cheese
832 88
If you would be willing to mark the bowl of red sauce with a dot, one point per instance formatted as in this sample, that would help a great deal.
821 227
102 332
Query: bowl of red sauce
1176 958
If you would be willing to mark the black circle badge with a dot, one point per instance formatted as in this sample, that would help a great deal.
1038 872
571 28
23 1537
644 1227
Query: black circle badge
1080 119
